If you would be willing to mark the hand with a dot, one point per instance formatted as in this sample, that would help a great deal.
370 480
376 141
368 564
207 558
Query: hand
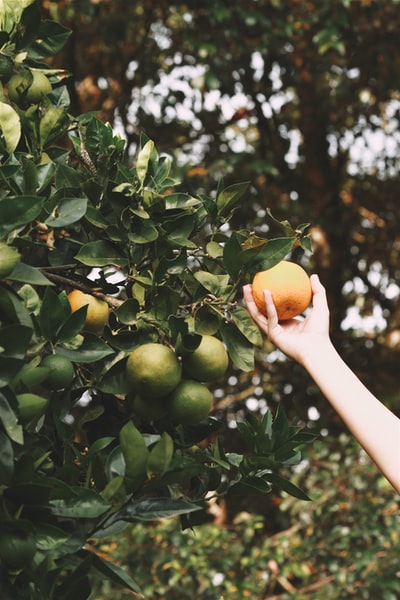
298 338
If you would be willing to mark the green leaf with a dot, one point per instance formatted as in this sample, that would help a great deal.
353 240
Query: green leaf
13 308
72 325
9 420
91 350
286 486
16 211
67 211
160 456
10 126
216 284
51 37
239 348
28 274
100 254
246 325
265 256
231 253
157 508
114 573
7 459
14 340
82 503
142 162
230 196
52 315
135 454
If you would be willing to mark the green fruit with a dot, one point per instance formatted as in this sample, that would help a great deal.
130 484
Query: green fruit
17 548
28 87
189 403
61 373
153 370
9 258
208 362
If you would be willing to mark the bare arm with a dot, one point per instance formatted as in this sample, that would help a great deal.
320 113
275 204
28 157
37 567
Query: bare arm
307 340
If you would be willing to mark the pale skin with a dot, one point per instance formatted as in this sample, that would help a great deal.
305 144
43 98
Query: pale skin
307 341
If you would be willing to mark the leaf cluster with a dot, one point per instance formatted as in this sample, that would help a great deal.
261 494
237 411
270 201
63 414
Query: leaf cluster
76 463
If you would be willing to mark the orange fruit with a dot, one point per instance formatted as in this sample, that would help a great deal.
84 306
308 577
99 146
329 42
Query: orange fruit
97 310
289 285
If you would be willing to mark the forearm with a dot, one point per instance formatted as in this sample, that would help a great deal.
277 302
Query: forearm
375 427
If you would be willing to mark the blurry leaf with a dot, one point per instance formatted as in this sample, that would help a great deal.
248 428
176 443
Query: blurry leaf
7 459
16 211
143 232
286 486
232 251
49 537
156 508
114 573
52 315
10 126
52 36
230 196
246 325
266 255
114 381
14 340
160 455
239 348
67 211
82 503
135 455
100 254
28 274
10 420
92 349
216 284
142 162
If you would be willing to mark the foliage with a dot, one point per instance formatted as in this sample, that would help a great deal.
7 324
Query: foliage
298 98
343 544
76 462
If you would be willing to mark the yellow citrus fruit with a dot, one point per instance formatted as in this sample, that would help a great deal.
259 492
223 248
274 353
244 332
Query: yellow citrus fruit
9 258
17 90
208 362
61 371
190 402
97 310
153 370
289 285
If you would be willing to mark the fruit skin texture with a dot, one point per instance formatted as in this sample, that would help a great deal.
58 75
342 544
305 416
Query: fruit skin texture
289 285
153 370
97 311
190 402
9 258
208 362
62 371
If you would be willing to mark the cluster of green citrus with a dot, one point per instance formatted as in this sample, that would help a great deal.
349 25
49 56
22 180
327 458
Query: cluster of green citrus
164 383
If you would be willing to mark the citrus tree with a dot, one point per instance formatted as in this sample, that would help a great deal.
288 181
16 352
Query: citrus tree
119 309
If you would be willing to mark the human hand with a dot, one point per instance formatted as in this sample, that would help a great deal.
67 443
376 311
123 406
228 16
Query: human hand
298 338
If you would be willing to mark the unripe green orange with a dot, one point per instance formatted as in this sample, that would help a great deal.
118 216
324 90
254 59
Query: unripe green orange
153 370
18 92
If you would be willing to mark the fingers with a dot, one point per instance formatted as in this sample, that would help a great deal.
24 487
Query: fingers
319 300
255 314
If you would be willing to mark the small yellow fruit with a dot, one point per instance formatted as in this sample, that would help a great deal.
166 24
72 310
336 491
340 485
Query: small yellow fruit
208 362
153 370
97 310
289 285
190 402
